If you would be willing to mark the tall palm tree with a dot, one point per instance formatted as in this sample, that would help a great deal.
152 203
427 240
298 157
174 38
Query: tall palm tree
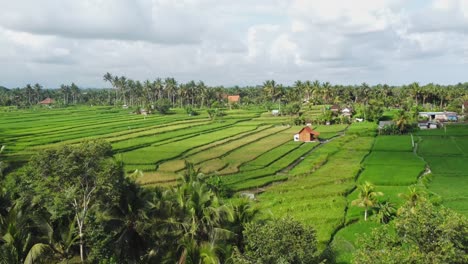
402 121
203 222
415 91
112 80
75 91
202 92
386 211
171 88
24 235
38 92
29 92
413 196
367 197
270 89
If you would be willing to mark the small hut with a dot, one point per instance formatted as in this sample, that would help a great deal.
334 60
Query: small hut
47 101
306 134
233 99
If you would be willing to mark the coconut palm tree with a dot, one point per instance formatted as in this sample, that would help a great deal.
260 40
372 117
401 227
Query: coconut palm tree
24 235
367 197
171 89
386 211
402 121
204 222
413 196
271 90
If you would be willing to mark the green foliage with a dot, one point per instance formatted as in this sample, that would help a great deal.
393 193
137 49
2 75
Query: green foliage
367 197
190 111
423 234
215 113
162 105
292 109
280 241
371 112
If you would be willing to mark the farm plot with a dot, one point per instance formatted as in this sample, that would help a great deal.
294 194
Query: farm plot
48 128
319 198
166 151
391 167
270 173
448 162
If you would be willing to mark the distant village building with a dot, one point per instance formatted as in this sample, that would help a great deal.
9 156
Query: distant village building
465 107
439 116
427 125
233 99
335 108
47 101
275 112
306 134
346 112
383 124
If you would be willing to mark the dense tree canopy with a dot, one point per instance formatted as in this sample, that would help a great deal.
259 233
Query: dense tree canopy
422 233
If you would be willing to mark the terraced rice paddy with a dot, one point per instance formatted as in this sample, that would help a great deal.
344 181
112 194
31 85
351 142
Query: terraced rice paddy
392 167
446 153
247 148
253 151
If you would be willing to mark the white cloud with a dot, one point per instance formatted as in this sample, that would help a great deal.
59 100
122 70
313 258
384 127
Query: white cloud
232 42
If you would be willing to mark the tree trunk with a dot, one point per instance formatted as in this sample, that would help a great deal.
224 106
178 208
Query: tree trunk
365 214
81 246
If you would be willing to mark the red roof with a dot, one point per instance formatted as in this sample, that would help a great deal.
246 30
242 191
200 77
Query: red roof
233 98
309 130
47 101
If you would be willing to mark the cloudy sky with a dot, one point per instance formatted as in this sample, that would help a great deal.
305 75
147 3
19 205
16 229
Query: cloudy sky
225 42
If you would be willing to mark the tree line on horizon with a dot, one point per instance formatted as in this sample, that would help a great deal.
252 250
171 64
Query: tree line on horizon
135 93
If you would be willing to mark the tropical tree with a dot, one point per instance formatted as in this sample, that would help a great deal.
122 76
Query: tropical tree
280 241
423 234
386 211
204 222
414 196
271 90
80 175
367 197
402 121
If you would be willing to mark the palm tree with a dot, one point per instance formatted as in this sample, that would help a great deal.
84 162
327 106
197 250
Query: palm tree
243 213
159 89
129 218
327 92
204 220
37 92
75 91
29 91
413 196
402 121
202 92
367 197
24 235
171 88
415 91
386 211
270 88
112 80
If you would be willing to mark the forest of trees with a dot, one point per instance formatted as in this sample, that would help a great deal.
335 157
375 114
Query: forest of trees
135 93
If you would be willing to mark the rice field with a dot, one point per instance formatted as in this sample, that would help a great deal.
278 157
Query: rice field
446 153
248 148
253 151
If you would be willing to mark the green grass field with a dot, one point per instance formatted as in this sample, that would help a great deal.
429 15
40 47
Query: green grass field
446 153
253 151
392 167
